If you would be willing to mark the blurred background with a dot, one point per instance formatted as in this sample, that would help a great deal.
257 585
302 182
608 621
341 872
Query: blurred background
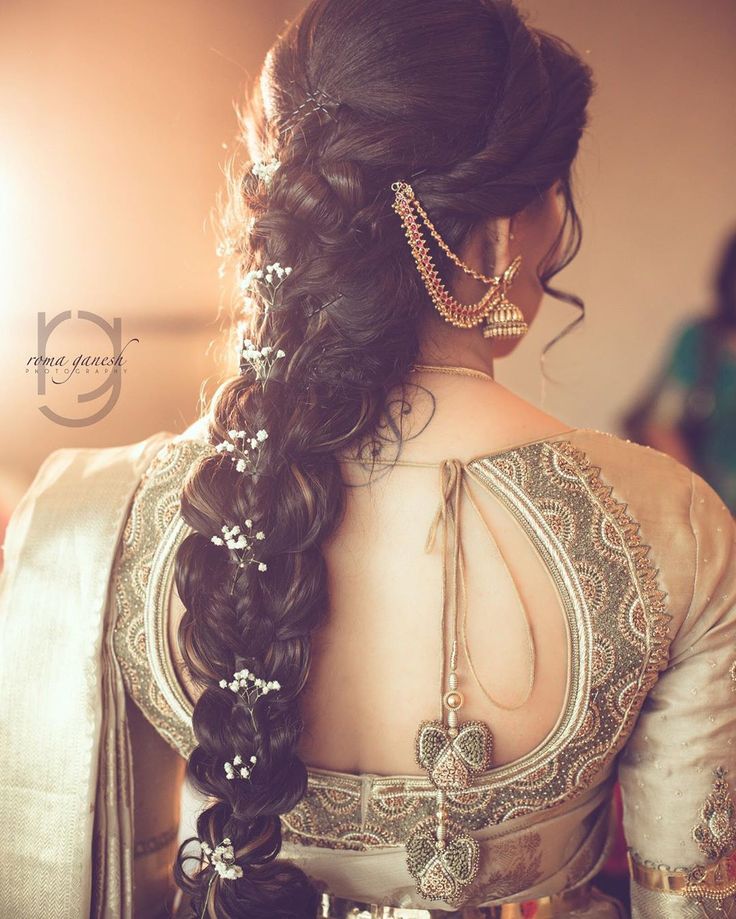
117 119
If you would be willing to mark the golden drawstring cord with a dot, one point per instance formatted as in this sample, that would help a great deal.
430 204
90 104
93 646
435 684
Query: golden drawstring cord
448 485
451 485
452 481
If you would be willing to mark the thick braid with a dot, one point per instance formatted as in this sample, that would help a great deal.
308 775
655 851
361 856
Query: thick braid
347 320
313 402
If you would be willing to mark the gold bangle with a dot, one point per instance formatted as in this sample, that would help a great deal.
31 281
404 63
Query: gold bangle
717 879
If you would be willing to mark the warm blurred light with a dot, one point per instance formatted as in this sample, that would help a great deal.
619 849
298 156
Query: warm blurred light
9 206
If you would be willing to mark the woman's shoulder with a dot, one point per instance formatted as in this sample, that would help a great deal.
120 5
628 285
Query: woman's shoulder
135 461
656 488
658 479
632 463
680 518
626 499
83 488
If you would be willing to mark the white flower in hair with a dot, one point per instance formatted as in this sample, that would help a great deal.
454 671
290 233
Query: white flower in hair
240 545
265 171
250 688
261 360
243 771
244 459
265 283
222 859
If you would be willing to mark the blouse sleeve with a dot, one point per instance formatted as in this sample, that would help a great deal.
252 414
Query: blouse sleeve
678 769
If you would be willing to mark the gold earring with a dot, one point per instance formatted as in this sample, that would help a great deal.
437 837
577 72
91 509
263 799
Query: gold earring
505 319
494 310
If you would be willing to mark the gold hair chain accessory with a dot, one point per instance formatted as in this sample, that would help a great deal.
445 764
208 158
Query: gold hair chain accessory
500 317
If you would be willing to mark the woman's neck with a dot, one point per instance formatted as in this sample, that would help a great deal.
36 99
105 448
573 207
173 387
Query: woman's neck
443 344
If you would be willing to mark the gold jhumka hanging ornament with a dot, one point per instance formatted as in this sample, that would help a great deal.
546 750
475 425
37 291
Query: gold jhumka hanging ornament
440 855
500 317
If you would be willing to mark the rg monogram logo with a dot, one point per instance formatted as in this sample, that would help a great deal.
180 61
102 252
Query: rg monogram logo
61 368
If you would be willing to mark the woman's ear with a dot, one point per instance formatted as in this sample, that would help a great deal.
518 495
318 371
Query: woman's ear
500 235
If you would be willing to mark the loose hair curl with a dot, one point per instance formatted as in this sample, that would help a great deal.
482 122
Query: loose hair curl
482 114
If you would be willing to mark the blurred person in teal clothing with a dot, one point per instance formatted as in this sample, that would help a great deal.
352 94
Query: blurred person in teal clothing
690 412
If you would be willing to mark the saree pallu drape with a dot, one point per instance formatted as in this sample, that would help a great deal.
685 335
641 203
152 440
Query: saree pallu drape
66 849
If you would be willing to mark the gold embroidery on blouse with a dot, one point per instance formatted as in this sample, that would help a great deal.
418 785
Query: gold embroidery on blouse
732 674
554 492
154 510
618 634
716 835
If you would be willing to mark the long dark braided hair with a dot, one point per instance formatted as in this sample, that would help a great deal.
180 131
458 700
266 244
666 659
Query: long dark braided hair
482 114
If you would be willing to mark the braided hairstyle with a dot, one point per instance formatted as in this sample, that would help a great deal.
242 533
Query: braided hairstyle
482 114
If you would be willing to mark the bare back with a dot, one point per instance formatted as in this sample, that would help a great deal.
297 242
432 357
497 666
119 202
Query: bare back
376 662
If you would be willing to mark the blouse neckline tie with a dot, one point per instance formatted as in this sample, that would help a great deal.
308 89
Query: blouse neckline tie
453 484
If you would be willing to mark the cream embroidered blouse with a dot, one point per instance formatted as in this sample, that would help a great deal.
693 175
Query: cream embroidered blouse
643 555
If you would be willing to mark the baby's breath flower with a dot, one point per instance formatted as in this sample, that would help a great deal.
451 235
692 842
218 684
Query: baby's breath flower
244 771
261 360
265 171
250 688
240 544
222 859
264 282
238 451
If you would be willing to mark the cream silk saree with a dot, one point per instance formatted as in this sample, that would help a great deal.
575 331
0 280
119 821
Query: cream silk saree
647 559
65 770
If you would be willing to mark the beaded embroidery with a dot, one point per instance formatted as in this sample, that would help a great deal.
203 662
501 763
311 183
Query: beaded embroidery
716 835
587 538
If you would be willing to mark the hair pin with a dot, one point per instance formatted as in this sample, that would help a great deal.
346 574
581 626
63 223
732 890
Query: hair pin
315 101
